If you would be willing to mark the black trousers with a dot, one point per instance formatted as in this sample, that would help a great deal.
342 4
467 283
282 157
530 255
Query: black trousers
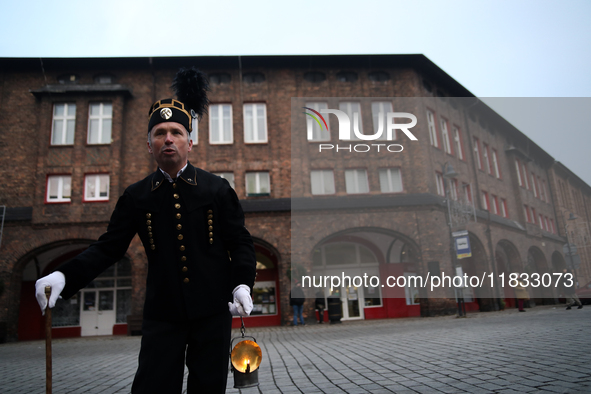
203 344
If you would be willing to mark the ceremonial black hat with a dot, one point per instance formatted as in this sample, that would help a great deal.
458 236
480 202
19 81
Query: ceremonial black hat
190 86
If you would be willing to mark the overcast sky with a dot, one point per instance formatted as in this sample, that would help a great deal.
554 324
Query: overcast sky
496 48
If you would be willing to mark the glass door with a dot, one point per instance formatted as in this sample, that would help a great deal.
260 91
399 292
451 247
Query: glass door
352 300
97 315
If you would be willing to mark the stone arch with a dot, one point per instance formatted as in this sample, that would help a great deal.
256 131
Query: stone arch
377 253
477 265
508 260
558 262
537 264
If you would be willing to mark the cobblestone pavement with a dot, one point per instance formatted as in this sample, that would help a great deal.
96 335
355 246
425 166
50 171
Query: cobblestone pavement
546 350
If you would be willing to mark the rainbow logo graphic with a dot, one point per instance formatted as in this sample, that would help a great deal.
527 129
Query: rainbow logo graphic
315 118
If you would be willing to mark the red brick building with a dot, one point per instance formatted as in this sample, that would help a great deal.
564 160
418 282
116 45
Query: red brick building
73 137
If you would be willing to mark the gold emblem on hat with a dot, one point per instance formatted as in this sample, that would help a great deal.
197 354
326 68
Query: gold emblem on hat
166 113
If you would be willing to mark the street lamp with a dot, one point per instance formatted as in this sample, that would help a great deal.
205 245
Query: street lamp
448 172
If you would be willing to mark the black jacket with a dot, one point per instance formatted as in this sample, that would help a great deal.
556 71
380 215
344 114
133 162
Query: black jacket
194 236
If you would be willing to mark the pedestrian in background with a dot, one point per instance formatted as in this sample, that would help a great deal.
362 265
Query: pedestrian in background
521 294
568 285
296 300
320 305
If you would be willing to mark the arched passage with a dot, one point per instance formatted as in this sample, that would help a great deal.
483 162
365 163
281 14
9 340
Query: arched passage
537 264
508 261
99 309
476 265
357 263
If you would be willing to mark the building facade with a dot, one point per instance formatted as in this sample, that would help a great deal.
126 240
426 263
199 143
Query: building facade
73 137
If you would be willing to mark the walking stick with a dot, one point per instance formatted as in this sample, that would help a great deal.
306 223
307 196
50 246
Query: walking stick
48 343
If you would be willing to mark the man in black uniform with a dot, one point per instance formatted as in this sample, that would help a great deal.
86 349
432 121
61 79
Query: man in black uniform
200 255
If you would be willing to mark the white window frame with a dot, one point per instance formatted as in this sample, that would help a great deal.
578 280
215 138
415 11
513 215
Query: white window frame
526 181
504 208
534 184
495 204
391 180
103 138
260 177
496 164
252 123
313 132
445 136
97 180
325 181
355 180
439 182
377 108
477 151
194 135
350 108
485 202
432 128
410 292
216 113
485 153
518 169
458 140
65 119
62 181
229 176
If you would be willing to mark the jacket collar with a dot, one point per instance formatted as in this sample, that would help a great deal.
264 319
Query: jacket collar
189 176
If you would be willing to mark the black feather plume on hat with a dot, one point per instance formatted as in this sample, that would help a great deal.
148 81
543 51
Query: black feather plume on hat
191 87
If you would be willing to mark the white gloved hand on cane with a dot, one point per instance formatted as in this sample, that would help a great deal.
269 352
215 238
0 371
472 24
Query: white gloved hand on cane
242 305
57 281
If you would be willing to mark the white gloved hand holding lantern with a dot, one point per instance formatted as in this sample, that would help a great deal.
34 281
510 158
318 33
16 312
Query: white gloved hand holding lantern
242 305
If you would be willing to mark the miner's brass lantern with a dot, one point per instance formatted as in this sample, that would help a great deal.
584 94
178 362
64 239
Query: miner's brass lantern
246 357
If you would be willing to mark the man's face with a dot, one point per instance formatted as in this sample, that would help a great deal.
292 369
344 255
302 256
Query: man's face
170 146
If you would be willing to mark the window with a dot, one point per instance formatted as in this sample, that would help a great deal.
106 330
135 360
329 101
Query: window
390 180
458 141
533 215
545 192
315 131
504 208
356 181
254 77
445 137
103 79
257 184
518 170
534 185
219 78
379 111
229 176
353 110
541 221
96 187
432 129
378 76
453 190
495 205
477 153
485 204
467 192
255 123
495 162
220 124
63 125
552 226
99 123
58 188
525 181
486 154
315 76
411 292
347 76
194 135
322 181
527 213
440 184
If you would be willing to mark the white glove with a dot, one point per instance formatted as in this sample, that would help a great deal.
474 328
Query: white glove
57 281
242 305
